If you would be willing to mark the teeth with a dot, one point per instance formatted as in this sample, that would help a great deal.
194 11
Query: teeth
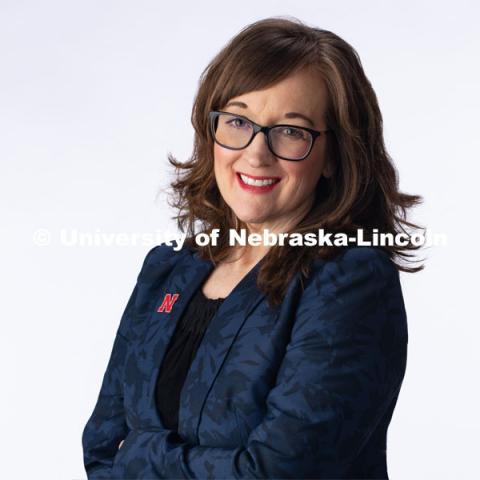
257 183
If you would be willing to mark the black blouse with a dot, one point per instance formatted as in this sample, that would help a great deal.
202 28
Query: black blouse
180 353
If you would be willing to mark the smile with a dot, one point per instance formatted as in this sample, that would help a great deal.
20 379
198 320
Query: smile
257 184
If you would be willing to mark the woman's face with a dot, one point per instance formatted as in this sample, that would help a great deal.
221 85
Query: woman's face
283 206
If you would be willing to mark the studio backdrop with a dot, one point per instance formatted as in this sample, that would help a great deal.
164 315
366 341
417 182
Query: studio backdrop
94 96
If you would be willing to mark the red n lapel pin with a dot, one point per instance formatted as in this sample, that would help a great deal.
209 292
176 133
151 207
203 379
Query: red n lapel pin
168 302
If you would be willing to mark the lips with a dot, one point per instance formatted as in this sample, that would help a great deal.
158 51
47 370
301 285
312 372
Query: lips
255 188
255 177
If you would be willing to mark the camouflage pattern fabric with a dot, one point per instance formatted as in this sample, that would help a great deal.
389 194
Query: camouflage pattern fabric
305 390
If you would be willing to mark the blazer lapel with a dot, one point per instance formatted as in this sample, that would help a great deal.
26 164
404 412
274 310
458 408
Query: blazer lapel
173 297
219 336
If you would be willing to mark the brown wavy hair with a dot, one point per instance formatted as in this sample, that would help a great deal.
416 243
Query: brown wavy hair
363 190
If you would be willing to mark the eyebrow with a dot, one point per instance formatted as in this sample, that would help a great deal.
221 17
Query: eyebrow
287 115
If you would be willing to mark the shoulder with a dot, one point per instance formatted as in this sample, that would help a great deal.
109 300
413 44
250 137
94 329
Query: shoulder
166 251
354 265
359 289
157 265
164 254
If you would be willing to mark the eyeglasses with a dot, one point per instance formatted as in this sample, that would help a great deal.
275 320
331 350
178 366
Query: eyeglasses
287 142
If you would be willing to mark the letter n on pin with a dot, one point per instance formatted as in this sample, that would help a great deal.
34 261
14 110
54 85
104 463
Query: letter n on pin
168 302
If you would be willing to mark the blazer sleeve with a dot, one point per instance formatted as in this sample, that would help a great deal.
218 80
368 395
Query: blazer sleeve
106 426
342 369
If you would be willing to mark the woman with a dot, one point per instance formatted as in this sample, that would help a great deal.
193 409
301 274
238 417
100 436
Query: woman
266 361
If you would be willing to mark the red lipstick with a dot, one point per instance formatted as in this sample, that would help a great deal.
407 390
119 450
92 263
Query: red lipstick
257 189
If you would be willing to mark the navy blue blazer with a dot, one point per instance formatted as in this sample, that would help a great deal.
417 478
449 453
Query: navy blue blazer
304 390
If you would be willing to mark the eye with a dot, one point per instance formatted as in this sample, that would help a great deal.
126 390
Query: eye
294 133
238 123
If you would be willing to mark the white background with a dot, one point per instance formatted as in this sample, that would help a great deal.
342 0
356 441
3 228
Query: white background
94 94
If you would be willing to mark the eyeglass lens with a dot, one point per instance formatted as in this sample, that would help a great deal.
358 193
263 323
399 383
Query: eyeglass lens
235 132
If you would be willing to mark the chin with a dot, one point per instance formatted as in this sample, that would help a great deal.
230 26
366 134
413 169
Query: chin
255 222
251 217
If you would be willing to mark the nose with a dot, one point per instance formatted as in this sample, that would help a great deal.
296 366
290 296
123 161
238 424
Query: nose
258 154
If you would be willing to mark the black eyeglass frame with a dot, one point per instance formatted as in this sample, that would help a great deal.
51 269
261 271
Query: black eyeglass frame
214 114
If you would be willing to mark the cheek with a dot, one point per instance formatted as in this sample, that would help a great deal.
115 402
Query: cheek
301 175
223 167
219 162
221 156
309 171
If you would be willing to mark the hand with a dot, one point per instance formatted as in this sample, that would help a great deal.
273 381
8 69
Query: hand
120 444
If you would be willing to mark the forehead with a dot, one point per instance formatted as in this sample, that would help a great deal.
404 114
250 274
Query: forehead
303 91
